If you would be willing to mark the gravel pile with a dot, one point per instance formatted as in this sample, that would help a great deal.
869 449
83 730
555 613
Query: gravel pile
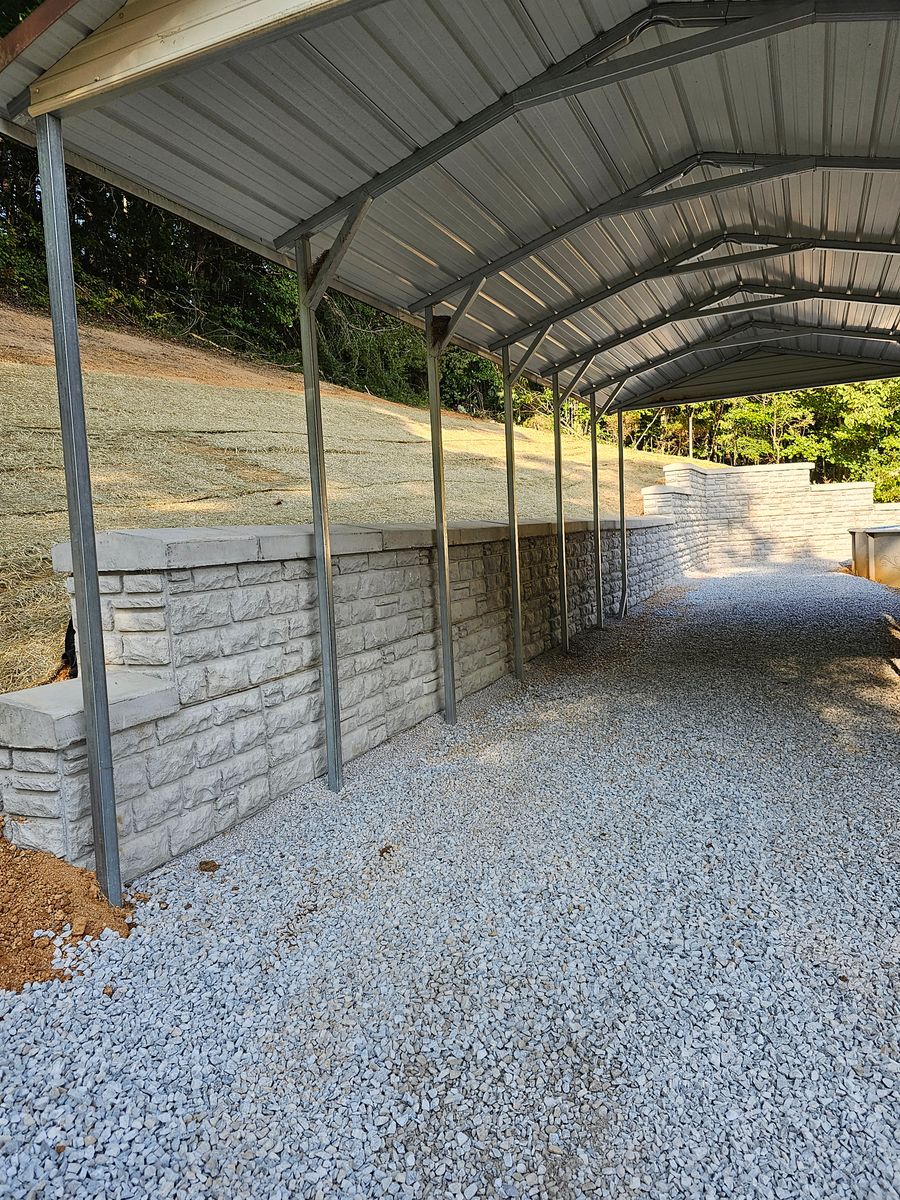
628 932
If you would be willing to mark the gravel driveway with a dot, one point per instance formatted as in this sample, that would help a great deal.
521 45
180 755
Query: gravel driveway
629 932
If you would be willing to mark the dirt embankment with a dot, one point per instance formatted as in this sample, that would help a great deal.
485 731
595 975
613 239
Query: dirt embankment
193 437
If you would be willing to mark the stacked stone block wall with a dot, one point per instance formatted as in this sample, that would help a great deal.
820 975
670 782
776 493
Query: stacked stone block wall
735 515
212 644
215 689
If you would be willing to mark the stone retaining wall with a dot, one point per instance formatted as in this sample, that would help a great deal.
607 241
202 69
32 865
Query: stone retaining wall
212 644
728 515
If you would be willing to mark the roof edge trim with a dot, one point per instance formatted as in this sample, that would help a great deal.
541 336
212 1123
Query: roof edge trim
26 33
150 38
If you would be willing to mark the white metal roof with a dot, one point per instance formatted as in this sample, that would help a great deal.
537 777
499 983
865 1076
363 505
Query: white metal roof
269 133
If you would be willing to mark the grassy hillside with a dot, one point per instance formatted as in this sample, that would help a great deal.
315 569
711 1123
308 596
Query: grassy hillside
181 437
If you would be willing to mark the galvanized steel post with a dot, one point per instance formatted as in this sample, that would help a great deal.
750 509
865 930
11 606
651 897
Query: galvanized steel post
623 537
318 486
515 584
92 669
441 545
595 492
560 522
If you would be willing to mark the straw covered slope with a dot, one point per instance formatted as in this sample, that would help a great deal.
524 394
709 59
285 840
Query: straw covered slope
193 437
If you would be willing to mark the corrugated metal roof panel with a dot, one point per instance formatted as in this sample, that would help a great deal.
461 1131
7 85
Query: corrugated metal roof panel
273 133
759 372
42 40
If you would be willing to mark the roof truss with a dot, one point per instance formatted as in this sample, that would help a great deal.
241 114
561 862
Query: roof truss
710 305
751 334
688 262
657 397
653 193
735 24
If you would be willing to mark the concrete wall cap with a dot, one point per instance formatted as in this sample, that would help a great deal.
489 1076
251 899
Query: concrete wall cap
858 485
715 469
130 551
465 533
407 537
650 522
142 550
52 716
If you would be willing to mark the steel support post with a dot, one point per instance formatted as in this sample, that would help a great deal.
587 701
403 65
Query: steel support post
441 545
515 584
92 669
595 492
560 521
623 536
318 486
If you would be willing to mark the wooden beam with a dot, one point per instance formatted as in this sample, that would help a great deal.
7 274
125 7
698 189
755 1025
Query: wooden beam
148 38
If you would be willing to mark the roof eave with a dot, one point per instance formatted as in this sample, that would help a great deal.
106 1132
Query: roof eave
26 33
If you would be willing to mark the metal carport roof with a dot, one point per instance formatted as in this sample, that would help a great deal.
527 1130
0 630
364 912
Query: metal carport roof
562 149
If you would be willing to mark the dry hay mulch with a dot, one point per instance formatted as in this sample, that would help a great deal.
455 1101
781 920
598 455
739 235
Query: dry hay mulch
183 438
41 892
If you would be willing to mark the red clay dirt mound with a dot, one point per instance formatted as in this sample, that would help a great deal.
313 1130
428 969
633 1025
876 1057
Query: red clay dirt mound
40 891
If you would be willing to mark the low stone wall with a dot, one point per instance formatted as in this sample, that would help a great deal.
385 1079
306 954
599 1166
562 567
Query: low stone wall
728 515
212 644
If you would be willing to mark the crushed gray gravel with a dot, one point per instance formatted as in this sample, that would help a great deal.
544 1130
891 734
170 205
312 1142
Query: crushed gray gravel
630 931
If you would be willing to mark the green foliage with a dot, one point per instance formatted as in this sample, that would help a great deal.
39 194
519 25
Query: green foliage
471 383
364 349
138 265
23 275
14 11
850 431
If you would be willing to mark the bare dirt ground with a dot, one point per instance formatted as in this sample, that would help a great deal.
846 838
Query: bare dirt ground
194 437
39 892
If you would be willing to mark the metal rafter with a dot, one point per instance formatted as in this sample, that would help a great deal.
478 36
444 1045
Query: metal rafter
530 351
699 373
679 14
648 398
733 338
325 270
576 379
772 296
687 312
652 193
687 262
736 24
445 327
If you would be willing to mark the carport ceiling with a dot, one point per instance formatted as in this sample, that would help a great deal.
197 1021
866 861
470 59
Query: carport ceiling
633 183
